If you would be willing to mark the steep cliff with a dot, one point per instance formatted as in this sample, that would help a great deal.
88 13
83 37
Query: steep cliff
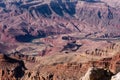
28 20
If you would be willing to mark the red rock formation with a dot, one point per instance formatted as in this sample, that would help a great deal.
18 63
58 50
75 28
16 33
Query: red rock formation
11 69
28 19
115 63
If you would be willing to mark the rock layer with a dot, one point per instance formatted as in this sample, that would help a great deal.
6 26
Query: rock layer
27 21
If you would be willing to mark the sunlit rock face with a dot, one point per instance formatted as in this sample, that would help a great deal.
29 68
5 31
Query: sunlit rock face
116 77
113 3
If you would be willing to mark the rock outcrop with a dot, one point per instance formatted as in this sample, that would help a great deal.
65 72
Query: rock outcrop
116 77
11 69
97 74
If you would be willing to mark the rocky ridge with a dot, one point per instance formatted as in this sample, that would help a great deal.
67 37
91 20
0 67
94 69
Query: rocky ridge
59 40
57 18
59 71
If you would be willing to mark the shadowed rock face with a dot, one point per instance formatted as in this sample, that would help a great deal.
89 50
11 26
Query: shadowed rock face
58 7
28 37
52 27
11 68
97 74
37 16
92 1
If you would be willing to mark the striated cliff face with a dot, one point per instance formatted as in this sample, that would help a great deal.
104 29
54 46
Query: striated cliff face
99 16
59 40
32 69
56 67
77 67
28 20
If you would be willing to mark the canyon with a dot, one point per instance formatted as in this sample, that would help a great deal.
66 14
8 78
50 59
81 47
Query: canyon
59 39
